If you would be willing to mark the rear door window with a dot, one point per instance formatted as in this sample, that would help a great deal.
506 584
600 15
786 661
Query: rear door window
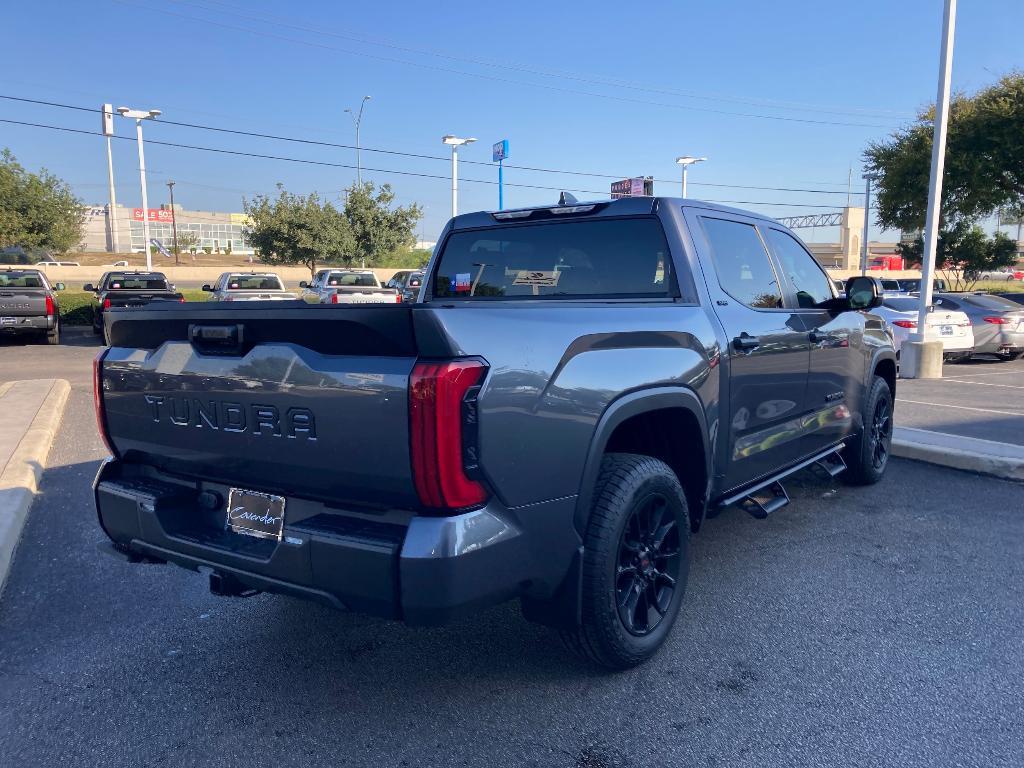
608 258
744 270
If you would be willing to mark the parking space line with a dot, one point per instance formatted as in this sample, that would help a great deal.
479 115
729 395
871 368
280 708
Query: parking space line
983 383
961 407
1019 372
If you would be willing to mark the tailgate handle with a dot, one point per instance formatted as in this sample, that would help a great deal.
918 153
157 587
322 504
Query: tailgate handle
216 338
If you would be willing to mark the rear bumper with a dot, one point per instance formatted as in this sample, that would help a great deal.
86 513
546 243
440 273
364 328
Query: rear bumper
423 570
37 324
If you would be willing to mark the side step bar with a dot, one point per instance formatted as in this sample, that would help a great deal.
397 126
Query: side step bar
770 496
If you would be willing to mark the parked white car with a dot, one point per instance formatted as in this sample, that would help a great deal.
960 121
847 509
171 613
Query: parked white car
952 328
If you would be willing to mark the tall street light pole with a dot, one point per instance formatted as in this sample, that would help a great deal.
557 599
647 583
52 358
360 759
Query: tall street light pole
455 142
922 362
174 223
685 162
139 115
358 120
108 131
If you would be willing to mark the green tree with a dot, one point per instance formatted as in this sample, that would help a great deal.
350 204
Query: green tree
378 227
297 229
984 169
963 253
188 241
37 210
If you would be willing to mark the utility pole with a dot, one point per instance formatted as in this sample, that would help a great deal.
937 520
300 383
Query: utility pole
108 131
139 115
924 360
868 178
174 223
358 120
455 142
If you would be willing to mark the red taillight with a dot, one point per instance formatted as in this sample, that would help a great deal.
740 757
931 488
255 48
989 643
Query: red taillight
334 298
97 397
398 298
49 306
106 303
443 433
181 300
905 323
998 320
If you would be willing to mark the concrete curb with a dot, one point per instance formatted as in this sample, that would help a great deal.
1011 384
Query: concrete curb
967 453
20 478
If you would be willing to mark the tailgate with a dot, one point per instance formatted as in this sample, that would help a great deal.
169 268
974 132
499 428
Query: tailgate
15 303
308 401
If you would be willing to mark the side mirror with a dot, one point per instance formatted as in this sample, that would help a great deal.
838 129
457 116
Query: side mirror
89 287
303 284
58 286
208 288
863 292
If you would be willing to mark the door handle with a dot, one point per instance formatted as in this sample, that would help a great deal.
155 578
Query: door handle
746 343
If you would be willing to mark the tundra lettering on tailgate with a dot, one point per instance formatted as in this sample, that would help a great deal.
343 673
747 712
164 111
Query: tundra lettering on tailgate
232 417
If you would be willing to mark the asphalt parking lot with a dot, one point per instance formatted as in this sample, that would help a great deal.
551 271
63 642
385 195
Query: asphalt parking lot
875 626
983 398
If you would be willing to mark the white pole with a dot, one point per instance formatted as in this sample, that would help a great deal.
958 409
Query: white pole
931 232
685 166
455 180
867 221
145 199
112 218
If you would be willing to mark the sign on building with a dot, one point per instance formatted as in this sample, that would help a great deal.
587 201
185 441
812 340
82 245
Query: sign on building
638 186
153 214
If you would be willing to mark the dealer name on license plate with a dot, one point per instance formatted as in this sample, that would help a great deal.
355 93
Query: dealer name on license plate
255 514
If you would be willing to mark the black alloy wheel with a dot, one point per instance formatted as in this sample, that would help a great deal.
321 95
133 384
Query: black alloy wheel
881 434
648 564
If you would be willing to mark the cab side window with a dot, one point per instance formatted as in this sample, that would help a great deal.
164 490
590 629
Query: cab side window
810 282
744 270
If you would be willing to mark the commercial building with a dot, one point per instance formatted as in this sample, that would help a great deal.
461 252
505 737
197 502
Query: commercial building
220 232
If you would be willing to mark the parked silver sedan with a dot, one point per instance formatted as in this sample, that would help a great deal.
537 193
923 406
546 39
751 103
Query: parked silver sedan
998 322
248 286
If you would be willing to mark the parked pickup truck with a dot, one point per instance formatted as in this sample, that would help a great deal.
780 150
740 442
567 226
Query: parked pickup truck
342 286
128 290
575 390
248 286
28 304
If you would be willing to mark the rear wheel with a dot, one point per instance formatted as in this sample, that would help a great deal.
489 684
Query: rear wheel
635 563
53 337
867 455
1010 356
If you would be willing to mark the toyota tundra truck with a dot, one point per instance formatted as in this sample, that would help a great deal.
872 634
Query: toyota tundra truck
575 390
28 305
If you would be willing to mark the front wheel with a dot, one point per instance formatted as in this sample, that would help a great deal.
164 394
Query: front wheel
635 563
868 454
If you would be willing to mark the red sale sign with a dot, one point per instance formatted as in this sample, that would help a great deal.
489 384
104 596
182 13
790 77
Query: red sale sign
153 214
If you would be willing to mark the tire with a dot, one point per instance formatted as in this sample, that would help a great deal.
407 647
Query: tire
633 583
868 455
1011 356
53 337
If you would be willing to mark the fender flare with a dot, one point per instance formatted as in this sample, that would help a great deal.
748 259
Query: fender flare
617 412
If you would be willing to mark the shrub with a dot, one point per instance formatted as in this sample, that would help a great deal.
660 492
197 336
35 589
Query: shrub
75 307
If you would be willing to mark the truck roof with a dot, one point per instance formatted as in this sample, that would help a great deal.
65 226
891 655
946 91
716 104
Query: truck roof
625 206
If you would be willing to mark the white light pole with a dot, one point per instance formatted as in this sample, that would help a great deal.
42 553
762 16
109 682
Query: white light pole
139 115
358 120
455 142
685 162
923 361
108 131
868 178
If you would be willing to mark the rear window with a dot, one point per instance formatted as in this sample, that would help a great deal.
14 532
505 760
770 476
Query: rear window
21 280
137 283
352 278
993 303
891 285
254 283
607 258
901 305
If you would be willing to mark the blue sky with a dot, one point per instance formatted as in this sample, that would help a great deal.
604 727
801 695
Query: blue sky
612 88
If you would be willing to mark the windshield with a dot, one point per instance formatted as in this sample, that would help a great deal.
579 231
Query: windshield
254 283
361 279
21 280
611 257
147 282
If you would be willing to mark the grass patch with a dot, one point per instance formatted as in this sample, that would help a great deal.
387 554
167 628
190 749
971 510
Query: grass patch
76 306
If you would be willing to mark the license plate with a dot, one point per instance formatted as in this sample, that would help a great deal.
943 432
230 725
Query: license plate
8 321
945 330
255 514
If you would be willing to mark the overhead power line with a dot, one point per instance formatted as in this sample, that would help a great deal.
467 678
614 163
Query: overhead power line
325 163
420 156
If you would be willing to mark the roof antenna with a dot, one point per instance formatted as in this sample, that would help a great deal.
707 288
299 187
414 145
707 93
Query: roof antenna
567 199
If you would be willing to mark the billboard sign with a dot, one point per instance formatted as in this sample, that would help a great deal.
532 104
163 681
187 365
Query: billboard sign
499 151
153 214
638 186
108 119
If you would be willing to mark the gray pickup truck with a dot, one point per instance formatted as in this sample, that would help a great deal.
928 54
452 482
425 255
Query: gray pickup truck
347 286
249 286
28 305
576 388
